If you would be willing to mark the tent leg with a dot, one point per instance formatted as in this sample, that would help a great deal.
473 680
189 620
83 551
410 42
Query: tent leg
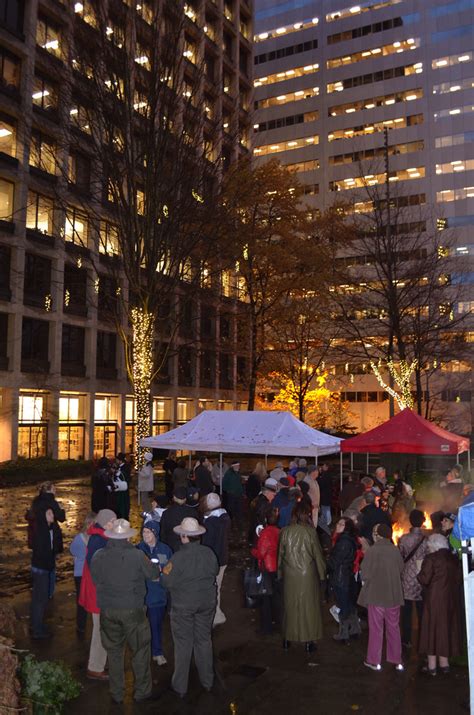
340 475
220 473
190 463
352 461
266 461
367 470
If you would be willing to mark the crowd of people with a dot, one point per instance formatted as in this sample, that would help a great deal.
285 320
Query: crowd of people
305 556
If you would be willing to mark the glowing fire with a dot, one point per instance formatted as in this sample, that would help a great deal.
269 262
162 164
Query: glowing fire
398 529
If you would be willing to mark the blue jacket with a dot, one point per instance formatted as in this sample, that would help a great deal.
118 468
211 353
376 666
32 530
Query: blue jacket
78 550
155 593
464 524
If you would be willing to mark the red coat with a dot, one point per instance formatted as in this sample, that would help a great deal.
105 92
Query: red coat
266 550
88 594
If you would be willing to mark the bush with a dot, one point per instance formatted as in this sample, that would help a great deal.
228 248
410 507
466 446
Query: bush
42 468
47 685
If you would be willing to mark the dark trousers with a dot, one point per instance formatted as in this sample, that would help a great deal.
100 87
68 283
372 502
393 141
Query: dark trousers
191 629
235 509
270 607
344 597
121 627
407 614
81 613
155 616
39 599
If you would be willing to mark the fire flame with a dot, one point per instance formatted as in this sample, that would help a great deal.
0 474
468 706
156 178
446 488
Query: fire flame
398 529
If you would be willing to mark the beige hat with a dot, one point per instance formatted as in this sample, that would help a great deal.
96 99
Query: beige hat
189 527
213 501
148 456
120 530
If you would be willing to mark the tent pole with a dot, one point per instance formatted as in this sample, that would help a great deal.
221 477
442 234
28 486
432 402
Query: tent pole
367 470
190 463
340 476
352 461
469 462
220 473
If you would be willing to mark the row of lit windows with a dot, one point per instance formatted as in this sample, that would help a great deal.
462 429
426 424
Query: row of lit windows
451 60
395 202
384 51
310 165
286 98
372 77
288 121
455 194
455 111
372 102
454 139
455 166
375 153
286 30
286 146
288 74
454 86
373 179
287 51
357 9
373 28
364 129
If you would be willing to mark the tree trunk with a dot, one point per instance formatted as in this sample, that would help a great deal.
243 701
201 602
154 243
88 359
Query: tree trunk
253 366
419 391
141 370
301 407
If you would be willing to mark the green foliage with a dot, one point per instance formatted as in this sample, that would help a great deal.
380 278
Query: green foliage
42 468
47 685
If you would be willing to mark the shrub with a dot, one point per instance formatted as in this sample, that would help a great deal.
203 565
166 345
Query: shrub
47 685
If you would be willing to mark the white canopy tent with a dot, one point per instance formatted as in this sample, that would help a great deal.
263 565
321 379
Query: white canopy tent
247 432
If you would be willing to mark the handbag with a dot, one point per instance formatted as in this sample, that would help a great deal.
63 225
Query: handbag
257 582
120 484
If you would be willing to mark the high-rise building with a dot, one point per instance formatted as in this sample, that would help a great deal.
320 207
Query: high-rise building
330 77
63 385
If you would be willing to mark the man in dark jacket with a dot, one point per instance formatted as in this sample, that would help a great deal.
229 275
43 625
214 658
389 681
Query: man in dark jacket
190 577
260 508
46 499
203 479
174 515
370 516
217 523
325 492
120 572
47 542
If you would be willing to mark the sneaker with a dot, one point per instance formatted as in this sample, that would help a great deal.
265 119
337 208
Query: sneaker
334 611
160 659
372 666
400 667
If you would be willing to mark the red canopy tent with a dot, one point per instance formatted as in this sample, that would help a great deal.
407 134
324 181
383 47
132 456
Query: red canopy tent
408 433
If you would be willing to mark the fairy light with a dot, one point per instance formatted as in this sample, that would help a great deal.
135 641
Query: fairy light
142 323
48 302
96 285
402 378
67 297
197 197
79 262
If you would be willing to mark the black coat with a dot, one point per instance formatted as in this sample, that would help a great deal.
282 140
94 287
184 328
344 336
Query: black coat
46 542
46 500
203 480
173 516
325 489
341 561
370 516
217 535
260 508
100 498
252 487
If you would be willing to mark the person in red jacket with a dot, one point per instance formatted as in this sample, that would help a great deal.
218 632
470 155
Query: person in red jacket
88 595
266 553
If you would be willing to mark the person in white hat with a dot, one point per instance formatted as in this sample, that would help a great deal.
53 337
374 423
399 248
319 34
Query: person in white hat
120 572
145 481
190 577
218 524
260 508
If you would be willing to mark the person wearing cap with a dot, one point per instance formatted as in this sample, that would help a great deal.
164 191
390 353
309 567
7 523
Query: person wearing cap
156 596
382 595
203 478
174 515
146 481
120 573
278 472
233 493
190 577
282 498
88 594
261 507
217 523
371 515
122 477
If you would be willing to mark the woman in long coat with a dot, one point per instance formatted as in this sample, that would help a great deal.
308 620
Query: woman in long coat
440 575
302 567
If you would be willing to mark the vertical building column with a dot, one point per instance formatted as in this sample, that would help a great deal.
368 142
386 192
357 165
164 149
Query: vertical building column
89 436
8 424
53 423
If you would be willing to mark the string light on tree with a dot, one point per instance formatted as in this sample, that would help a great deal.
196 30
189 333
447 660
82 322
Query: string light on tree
401 375
142 323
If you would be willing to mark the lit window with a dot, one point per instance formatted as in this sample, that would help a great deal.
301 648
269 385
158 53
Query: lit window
7 137
286 98
357 9
374 179
456 86
39 213
85 10
364 129
47 36
44 94
286 146
69 409
450 60
142 56
43 153
451 167
288 74
372 102
7 192
9 71
76 228
80 118
310 165
30 408
108 239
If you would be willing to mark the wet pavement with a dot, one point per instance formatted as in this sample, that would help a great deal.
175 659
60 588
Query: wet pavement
257 676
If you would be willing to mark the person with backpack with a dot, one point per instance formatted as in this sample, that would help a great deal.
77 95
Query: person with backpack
413 548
